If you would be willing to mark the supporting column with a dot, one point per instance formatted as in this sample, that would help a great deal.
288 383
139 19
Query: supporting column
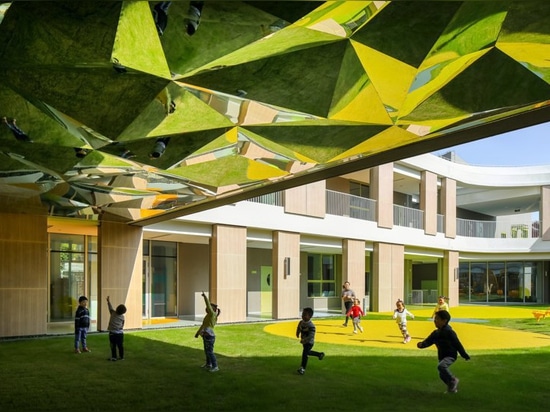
353 265
120 274
286 275
450 276
448 206
381 185
388 276
228 272
428 202
545 212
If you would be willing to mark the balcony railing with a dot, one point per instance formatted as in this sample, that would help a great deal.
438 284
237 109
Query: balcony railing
440 224
343 204
408 217
495 229
275 199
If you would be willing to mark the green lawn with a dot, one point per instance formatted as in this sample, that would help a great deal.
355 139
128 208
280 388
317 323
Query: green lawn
258 372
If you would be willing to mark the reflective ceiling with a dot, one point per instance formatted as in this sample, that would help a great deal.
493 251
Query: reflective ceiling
151 110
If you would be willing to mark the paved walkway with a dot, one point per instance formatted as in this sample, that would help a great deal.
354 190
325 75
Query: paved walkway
467 321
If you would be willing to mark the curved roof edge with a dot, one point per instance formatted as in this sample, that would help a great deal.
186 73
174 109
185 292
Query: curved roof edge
491 176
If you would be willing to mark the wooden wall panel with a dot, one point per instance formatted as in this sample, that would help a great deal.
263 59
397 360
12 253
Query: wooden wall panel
428 202
286 287
448 206
120 272
353 266
388 276
307 200
228 272
382 191
23 274
450 276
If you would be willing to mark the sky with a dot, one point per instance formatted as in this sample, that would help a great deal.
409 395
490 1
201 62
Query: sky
523 147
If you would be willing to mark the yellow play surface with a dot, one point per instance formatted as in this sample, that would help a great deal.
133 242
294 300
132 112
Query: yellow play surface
467 321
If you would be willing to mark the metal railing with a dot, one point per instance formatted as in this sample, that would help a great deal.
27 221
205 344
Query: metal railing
343 204
408 217
356 207
275 199
495 229
475 228
440 224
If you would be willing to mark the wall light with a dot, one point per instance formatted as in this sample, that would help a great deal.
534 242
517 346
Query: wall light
287 267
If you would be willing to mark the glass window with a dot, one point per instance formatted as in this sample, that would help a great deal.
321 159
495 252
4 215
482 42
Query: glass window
496 280
499 281
359 189
514 279
70 274
321 275
163 279
530 281
478 282
464 282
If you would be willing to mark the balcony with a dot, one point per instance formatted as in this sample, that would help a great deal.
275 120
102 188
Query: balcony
356 207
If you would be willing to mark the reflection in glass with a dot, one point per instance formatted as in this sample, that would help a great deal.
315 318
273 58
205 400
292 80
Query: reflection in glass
71 272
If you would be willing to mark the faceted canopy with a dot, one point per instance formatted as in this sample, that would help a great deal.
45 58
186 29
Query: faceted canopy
150 110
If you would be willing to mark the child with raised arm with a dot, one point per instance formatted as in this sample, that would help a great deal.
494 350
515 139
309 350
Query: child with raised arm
306 333
355 313
400 315
206 330
448 347
116 330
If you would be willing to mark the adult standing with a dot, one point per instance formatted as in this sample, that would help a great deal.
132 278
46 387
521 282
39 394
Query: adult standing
348 296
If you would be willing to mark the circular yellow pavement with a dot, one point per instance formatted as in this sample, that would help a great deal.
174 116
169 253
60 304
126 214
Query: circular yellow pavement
467 321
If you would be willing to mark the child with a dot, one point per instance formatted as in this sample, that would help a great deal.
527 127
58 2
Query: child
448 344
441 305
400 316
355 312
207 332
306 332
81 325
115 328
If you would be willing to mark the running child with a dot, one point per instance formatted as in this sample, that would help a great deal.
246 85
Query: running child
400 315
448 347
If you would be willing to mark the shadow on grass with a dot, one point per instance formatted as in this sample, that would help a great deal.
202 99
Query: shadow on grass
258 372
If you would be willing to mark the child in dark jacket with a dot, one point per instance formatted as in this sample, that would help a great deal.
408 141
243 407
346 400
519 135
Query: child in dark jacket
81 325
448 347
305 331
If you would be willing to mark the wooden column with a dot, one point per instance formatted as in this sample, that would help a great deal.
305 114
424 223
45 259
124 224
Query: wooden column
388 276
23 274
448 206
382 191
120 272
428 202
228 272
286 275
353 266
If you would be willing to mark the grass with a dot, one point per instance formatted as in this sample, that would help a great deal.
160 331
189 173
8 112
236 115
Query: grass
258 372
